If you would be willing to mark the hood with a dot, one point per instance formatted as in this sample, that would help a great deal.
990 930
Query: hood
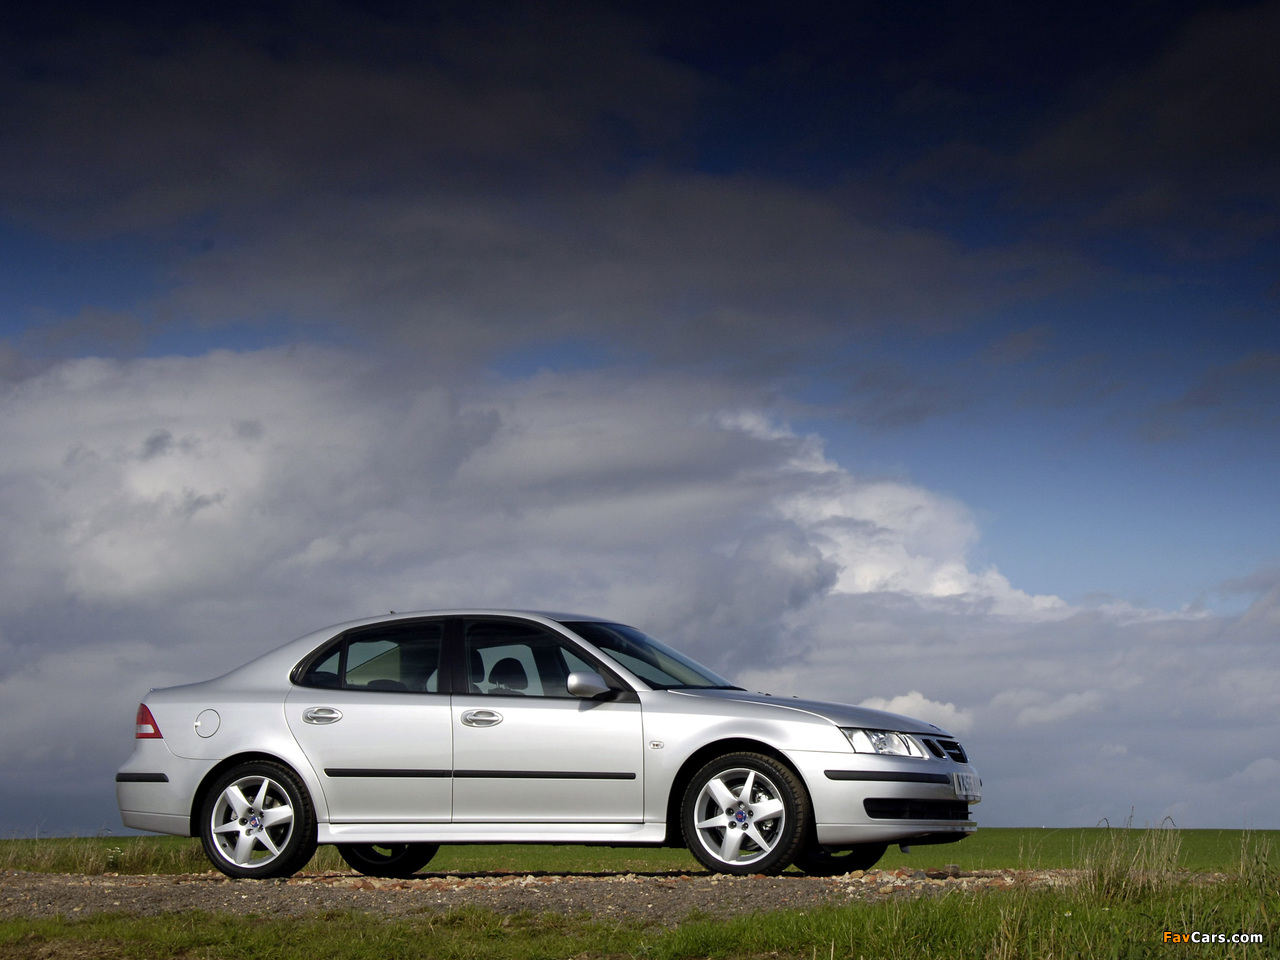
841 714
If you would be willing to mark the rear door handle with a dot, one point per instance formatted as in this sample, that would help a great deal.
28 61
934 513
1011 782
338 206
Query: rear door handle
321 715
481 718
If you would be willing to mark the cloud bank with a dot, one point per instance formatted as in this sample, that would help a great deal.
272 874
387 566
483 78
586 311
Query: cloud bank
170 518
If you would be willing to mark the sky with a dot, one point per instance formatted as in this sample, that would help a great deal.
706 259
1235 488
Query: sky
922 356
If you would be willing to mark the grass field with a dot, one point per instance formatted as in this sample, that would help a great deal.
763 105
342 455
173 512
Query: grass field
1136 888
990 848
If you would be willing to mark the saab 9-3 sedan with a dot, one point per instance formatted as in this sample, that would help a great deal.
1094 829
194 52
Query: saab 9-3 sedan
390 736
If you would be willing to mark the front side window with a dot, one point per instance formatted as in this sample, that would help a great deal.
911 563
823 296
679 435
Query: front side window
511 659
401 657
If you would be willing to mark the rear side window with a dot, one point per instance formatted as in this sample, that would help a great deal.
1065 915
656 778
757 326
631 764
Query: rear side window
399 657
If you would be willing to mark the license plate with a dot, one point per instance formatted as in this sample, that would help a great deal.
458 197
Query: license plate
967 787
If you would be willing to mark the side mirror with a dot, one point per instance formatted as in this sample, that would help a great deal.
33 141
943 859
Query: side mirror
587 685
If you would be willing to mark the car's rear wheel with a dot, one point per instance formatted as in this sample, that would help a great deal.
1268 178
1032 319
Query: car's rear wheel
257 821
819 861
398 860
745 813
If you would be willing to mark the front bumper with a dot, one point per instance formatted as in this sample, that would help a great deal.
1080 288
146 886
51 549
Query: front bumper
870 799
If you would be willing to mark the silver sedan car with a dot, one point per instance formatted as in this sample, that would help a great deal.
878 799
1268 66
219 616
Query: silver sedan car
390 736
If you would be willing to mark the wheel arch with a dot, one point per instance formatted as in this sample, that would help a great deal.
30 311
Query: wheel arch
249 756
695 761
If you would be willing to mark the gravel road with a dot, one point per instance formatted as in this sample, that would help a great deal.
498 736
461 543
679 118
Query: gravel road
655 898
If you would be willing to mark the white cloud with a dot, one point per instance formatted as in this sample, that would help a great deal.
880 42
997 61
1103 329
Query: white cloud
1250 690
888 536
1035 706
916 704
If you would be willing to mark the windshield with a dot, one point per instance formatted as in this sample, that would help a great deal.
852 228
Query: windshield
653 662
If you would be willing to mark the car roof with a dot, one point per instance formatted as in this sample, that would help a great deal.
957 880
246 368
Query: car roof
555 616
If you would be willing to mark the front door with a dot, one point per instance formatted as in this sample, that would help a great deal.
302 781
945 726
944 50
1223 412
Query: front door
525 750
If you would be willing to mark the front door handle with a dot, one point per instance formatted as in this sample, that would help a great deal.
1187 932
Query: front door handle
321 715
481 718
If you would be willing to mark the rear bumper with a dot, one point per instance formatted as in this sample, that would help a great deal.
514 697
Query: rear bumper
154 789
178 826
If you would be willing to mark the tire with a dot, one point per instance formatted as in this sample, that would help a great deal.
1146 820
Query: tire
257 821
396 860
819 861
745 813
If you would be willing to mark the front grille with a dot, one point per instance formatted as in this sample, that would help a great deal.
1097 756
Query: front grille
949 748
894 809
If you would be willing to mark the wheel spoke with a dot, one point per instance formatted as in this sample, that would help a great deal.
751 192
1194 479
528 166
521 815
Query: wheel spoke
275 816
236 800
244 850
719 821
754 833
721 793
261 799
768 809
731 845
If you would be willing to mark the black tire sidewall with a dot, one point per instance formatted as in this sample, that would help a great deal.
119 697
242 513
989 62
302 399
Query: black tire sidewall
405 863
795 801
818 862
301 845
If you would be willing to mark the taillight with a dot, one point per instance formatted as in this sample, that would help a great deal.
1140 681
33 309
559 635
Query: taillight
146 725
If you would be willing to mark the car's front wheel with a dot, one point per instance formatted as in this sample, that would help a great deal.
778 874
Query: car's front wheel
819 861
745 813
397 860
257 821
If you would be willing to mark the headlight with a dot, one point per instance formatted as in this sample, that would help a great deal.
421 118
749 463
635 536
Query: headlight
884 742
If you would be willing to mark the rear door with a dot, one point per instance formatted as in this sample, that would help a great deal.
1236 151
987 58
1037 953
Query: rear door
372 714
